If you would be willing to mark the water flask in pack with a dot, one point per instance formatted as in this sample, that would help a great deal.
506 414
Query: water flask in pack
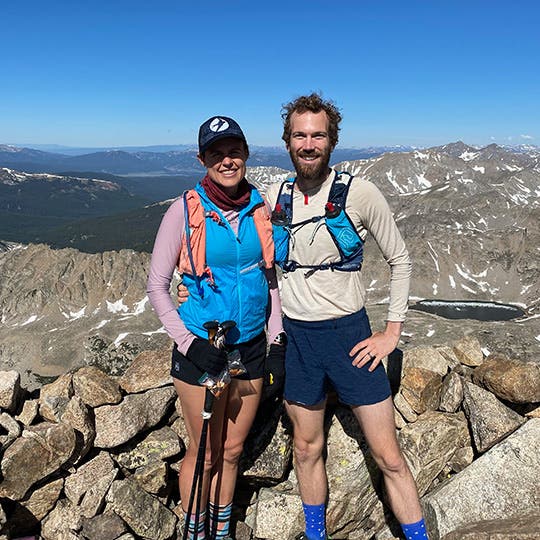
331 210
279 216
281 233
341 229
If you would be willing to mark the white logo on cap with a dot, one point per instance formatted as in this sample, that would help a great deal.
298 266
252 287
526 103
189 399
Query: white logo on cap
218 124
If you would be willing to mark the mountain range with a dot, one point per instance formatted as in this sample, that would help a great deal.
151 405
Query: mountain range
474 190
469 217
178 161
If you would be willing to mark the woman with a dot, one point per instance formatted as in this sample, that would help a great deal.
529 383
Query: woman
226 259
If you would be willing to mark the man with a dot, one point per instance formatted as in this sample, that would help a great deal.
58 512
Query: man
323 305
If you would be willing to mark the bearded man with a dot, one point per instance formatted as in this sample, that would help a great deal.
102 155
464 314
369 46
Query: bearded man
323 300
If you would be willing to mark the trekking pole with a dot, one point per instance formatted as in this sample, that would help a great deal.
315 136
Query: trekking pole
198 473
217 383
216 337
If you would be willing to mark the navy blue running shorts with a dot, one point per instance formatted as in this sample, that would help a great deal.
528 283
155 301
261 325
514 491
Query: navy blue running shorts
318 354
252 354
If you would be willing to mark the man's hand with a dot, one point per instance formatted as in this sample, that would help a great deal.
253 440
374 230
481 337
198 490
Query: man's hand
182 293
377 346
274 369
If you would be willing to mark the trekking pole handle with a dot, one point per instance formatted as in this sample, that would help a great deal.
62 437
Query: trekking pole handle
212 328
215 385
223 328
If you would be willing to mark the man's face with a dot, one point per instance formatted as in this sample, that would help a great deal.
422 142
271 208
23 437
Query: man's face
225 162
309 145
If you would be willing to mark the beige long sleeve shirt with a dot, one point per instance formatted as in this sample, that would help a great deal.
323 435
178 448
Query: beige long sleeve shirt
326 294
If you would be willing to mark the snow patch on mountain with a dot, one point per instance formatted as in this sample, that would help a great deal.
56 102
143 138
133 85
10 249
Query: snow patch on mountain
469 156
30 320
117 307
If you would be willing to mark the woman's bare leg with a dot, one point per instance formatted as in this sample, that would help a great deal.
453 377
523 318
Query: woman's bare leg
192 402
242 403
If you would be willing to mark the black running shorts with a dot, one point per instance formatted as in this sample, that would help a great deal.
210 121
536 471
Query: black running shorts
252 354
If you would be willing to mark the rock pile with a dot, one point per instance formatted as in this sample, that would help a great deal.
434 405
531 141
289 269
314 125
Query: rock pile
94 456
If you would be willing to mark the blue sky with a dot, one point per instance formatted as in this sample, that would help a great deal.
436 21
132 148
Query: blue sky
121 73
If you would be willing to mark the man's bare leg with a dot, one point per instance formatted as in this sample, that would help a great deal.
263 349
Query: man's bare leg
377 423
308 425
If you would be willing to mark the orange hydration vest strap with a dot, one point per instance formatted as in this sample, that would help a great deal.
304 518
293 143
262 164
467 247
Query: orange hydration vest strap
263 224
197 236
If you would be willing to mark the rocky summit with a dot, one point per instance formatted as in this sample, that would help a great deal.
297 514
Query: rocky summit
95 456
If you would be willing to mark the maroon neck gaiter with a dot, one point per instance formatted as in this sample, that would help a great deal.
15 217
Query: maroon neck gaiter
224 201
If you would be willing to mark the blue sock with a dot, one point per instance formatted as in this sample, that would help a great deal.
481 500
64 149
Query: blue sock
415 531
315 521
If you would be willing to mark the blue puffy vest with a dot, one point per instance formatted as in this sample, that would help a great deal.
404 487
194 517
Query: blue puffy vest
239 289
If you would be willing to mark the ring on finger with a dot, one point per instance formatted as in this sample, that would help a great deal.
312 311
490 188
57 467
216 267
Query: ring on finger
372 356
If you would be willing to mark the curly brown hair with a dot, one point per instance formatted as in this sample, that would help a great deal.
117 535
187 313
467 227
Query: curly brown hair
313 103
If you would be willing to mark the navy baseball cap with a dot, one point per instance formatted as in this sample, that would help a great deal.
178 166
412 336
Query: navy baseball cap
216 128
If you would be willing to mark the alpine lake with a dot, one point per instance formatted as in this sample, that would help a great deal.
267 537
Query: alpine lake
460 309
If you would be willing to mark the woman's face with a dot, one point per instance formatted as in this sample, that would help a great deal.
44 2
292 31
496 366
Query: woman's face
225 162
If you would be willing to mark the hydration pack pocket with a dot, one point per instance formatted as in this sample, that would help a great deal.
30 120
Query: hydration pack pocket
342 231
281 243
281 234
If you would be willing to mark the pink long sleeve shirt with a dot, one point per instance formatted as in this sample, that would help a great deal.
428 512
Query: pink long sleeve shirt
163 264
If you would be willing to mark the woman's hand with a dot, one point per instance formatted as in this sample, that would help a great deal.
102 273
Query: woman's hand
207 357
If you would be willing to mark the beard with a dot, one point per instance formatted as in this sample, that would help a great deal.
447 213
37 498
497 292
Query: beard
311 171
